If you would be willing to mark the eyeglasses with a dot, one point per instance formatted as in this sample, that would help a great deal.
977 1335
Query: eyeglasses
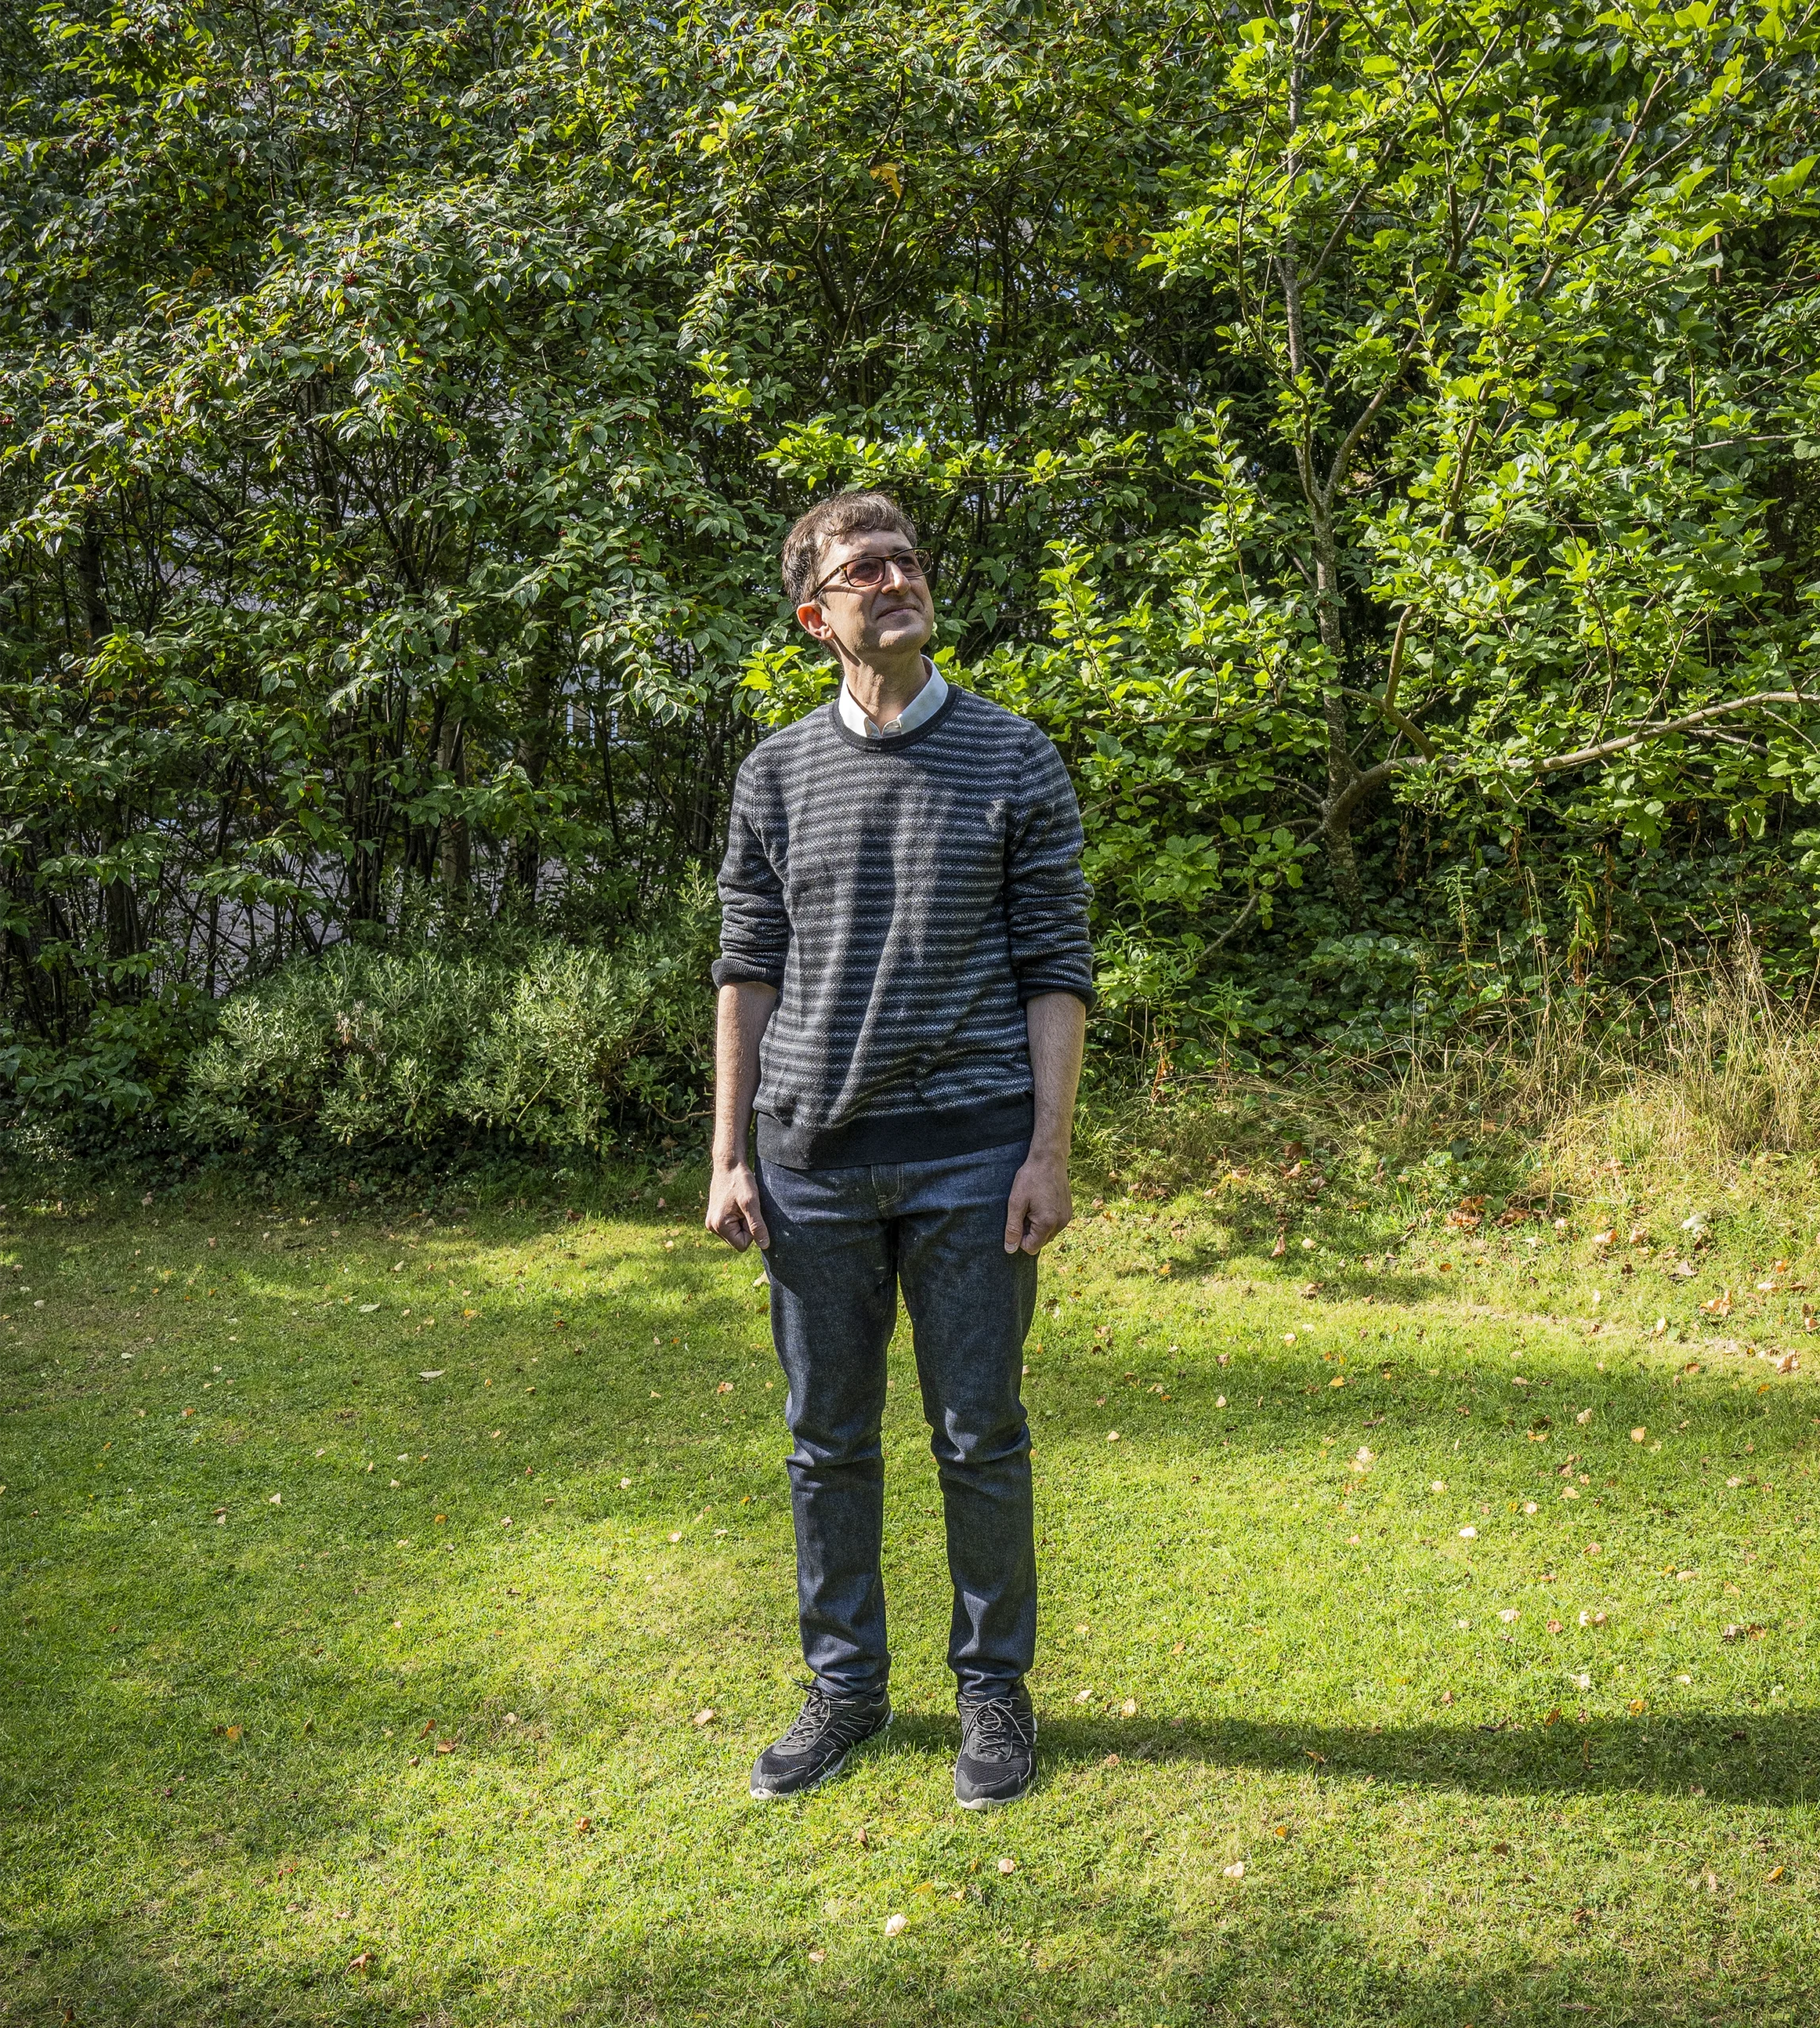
867 573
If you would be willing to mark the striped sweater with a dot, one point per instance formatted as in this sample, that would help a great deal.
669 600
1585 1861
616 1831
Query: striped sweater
905 897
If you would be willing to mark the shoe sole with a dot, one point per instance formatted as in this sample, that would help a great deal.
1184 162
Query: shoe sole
828 1773
996 1802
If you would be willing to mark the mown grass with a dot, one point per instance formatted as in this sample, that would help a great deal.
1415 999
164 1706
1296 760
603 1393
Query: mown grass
259 1572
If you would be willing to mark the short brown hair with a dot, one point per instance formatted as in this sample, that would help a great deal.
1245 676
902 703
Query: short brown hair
840 514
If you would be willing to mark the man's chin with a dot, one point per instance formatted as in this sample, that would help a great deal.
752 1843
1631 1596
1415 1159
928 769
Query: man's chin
912 630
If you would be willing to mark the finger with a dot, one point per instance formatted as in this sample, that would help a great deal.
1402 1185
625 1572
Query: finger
1041 1227
755 1219
1015 1214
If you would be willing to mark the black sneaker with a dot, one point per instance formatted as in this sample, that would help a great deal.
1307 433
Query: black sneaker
998 1759
816 1748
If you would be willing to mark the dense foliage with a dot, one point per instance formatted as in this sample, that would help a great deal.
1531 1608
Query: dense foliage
1381 443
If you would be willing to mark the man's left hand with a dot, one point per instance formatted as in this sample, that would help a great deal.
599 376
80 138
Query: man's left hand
1039 1205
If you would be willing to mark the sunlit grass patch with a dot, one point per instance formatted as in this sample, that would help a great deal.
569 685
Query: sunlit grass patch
394 1609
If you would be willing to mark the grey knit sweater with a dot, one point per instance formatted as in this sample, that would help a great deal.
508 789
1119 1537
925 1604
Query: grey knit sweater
905 897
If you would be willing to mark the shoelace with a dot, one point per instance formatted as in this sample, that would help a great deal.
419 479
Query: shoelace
809 1724
994 1731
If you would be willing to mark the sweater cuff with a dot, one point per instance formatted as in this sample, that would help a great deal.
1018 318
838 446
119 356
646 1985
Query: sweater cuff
740 971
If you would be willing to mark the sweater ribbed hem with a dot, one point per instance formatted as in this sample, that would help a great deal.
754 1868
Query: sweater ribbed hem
898 1137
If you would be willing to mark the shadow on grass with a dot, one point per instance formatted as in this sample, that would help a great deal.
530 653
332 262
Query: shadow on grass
1726 1757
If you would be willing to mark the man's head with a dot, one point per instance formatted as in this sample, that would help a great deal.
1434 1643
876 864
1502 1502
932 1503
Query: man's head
852 571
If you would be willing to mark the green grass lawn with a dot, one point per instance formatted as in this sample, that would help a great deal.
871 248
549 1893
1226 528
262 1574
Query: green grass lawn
393 1609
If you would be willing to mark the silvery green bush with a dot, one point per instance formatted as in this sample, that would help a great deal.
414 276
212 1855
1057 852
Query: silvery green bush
534 1040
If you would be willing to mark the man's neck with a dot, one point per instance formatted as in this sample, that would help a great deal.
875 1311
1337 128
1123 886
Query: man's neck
883 689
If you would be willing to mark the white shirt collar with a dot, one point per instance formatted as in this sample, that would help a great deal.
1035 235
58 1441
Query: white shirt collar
919 710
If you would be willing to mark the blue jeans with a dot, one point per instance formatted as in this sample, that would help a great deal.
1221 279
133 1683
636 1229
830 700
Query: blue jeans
842 1242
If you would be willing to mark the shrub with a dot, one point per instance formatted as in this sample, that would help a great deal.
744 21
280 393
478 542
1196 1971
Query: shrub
529 1041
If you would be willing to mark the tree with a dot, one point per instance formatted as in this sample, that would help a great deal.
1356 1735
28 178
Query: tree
1512 500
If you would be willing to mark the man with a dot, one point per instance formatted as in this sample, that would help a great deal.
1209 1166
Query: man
904 981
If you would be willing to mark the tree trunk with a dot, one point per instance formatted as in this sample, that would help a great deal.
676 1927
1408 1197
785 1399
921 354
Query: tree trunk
1336 818
452 847
533 756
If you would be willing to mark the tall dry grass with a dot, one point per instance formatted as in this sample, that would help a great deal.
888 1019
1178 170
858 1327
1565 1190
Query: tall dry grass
1707 1070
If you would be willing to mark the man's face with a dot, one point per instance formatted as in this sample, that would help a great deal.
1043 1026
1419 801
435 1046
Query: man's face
898 615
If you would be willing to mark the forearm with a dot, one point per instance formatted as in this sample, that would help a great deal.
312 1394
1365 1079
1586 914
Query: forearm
1057 1025
742 1016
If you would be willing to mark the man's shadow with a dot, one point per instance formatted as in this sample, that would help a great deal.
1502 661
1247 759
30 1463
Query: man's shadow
1739 1756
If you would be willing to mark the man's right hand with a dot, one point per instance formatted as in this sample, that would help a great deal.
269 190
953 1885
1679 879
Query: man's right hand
732 1209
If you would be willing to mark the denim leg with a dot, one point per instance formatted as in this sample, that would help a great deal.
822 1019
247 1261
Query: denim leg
833 1305
971 1305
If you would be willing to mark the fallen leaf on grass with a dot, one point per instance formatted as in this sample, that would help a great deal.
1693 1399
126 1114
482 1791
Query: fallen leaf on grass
1235 1871
440 1371
818 1957
1010 1866
363 1963
896 1925
706 1716
1129 1708
445 1746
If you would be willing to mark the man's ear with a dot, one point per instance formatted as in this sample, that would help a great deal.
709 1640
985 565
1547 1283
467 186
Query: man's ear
812 619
